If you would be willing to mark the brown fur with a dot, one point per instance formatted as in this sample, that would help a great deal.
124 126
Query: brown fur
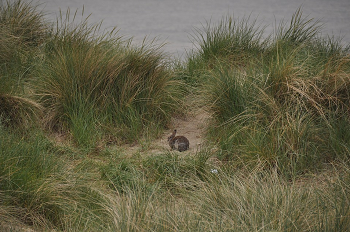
179 143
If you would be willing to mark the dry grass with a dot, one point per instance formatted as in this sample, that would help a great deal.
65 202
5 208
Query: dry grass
279 129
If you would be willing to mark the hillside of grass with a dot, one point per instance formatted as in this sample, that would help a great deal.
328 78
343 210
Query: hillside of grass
283 100
275 151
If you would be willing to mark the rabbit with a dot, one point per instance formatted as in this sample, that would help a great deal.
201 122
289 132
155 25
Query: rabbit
179 143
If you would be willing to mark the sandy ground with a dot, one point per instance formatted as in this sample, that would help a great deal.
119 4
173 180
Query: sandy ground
191 126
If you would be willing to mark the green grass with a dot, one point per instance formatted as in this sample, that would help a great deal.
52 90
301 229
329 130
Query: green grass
25 164
276 156
240 40
91 82
282 108
170 196
23 30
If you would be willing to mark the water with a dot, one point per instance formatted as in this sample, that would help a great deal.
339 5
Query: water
174 21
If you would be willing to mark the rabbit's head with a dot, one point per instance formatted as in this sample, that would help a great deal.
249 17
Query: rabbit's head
172 135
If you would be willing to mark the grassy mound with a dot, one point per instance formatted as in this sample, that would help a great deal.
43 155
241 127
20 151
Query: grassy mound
22 32
92 83
282 100
278 156
75 81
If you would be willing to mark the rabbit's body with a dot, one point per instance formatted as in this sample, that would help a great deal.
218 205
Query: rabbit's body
179 143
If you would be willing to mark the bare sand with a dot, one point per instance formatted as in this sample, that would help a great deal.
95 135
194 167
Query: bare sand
192 126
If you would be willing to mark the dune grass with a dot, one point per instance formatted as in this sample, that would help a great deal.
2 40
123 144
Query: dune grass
75 81
169 192
22 31
286 108
277 150
101 83
244 200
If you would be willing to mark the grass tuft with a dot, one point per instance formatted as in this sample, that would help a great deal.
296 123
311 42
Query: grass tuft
277 151
280 107
94 82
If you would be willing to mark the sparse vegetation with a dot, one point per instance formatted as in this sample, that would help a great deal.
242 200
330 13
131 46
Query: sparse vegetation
277 150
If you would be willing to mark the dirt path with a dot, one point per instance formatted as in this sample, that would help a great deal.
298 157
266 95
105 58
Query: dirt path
192 127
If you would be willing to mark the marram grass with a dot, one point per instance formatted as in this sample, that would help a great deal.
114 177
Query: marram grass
283 108
174 197
22 31
279 129
96 82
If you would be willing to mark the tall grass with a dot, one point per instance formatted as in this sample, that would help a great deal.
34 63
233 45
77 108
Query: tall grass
23 29
241 40
300 29
279 128
24 22
98 82
177 198
281 107
237 41
25 164
171 196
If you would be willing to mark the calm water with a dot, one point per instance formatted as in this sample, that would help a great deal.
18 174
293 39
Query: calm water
173 21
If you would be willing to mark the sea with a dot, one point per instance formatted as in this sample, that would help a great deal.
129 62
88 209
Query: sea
174 24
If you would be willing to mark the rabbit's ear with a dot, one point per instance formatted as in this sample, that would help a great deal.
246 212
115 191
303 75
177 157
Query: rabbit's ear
173 134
